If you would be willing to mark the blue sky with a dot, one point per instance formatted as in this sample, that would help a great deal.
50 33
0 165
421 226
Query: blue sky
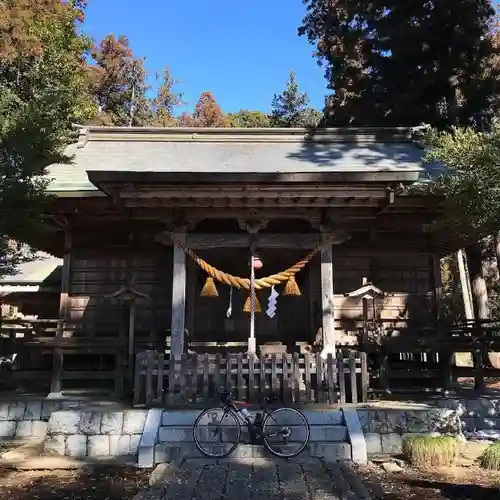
240 51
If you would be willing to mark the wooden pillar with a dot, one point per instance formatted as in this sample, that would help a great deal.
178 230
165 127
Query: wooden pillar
63 313
328 313
445 356
192 291
313 296
438 284
178 297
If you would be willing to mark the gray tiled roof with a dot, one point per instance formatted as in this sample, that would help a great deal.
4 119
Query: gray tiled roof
233 150
31 275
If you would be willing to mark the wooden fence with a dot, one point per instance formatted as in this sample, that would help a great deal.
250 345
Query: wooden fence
295 379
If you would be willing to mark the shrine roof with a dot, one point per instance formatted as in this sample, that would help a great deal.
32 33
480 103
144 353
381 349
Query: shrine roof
203 152
38 275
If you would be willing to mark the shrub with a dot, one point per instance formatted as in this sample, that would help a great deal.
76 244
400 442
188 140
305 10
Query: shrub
490 459
428 451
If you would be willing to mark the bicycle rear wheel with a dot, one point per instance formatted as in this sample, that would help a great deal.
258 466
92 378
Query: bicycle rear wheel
216 432
286 432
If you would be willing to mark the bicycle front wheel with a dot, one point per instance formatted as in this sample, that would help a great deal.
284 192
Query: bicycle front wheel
216 432
286 432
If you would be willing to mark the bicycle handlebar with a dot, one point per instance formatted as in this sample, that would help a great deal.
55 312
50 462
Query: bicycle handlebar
226 398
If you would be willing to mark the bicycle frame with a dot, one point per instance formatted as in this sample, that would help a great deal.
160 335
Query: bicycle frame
256 434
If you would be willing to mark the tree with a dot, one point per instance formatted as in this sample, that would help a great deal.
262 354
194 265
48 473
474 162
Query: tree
165 102
187 120
207 113
471 179
469 186
119 84
289 107
43 90
402 63
310 118
245 118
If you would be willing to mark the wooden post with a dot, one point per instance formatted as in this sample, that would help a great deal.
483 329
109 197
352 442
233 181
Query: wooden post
192 290
178 298
446 355
327 301
131 339
57 367
313 294
438 284
65 283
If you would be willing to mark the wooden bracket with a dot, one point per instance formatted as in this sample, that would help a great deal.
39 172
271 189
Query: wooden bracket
252 226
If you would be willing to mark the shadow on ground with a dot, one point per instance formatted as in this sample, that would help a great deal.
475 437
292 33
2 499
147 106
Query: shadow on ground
254 479
458 491
99 483
454 483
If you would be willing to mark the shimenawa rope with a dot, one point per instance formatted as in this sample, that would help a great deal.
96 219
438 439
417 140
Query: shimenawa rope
260 283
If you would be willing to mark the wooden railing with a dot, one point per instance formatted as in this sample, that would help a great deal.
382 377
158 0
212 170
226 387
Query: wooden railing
295 379
52 355
421 359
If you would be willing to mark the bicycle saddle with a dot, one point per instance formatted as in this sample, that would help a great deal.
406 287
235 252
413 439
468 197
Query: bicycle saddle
225 397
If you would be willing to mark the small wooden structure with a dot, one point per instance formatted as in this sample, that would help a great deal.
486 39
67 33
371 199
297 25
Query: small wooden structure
132 192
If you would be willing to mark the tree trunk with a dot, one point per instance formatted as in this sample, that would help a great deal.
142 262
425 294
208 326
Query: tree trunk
478 283
480 293
497 253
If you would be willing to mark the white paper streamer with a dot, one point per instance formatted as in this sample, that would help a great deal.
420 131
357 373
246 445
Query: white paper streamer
272 303
229 311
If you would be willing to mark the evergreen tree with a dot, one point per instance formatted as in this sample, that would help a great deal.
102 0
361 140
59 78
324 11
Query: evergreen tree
119 84
43 90
288 108
310 118
165 102
402 63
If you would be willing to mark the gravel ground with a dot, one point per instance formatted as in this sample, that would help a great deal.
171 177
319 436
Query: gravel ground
450 483
103 483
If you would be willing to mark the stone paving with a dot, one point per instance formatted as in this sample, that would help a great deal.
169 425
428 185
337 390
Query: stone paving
261 479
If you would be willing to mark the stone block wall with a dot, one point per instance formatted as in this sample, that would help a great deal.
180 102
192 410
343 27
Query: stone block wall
98 434
385 430
27 419
480 418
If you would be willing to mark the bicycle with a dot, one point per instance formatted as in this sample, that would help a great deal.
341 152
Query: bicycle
263 429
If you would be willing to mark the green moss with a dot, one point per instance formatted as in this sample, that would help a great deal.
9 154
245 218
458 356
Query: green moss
429 451
490 459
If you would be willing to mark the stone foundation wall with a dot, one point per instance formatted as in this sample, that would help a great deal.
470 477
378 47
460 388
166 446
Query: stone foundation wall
98 434
78 430
480 417
28 419
385 429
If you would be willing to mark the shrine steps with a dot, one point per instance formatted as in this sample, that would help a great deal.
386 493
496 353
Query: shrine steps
330 438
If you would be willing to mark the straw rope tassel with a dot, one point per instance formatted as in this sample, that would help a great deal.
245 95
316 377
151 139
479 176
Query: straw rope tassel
247 306
209 289
291 288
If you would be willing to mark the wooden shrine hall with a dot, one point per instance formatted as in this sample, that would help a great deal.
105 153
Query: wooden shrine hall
157 228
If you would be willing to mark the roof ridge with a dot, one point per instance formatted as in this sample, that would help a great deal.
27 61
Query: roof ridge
361 135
